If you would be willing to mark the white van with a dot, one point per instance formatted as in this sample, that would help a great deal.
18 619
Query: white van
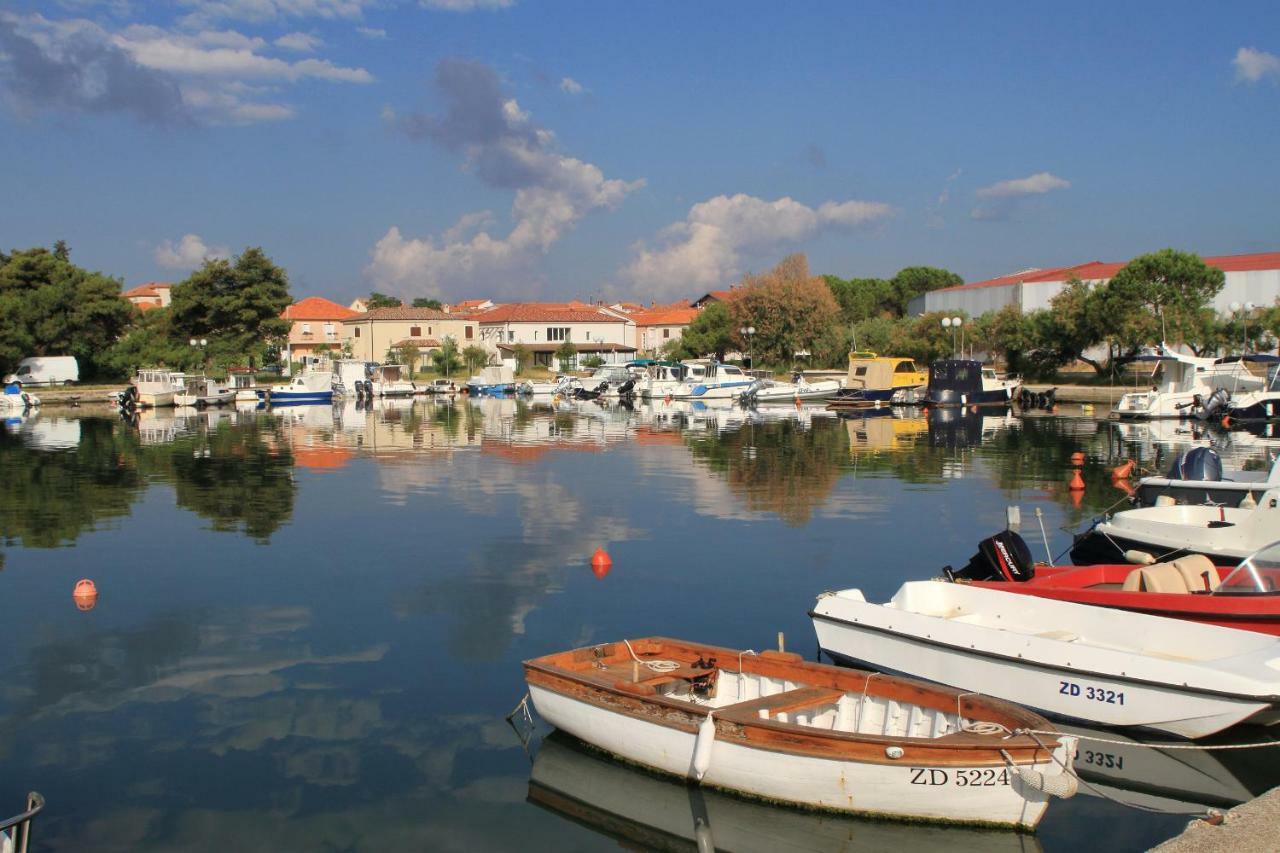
46 370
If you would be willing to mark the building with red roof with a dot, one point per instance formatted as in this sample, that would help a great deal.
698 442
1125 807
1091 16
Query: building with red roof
661 324
153 294
315 326
375 334
1250 278
543 327
466 306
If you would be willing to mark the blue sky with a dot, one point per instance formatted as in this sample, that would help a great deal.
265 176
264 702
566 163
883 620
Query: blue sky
466 148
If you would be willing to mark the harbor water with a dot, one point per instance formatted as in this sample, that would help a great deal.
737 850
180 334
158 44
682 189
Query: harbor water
310 622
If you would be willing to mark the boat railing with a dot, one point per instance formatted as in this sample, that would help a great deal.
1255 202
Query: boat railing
19 826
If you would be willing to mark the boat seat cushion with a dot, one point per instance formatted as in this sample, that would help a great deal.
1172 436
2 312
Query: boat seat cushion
1159 577
1198 571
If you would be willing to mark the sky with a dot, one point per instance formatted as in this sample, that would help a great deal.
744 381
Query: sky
513 149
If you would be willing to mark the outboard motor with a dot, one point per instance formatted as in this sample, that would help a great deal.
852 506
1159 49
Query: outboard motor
1198 463
626 389
1003 557
1216 403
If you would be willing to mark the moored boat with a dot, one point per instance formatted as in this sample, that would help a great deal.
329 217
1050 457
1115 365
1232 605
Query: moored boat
886 379
309 387
799 388
202 392
773 726
711 380
963 382
1088 663
1198 476
1186 385
153 388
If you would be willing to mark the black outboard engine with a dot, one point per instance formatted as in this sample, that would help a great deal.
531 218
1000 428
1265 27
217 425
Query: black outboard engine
1216 403
627 388
1003 557
1198 463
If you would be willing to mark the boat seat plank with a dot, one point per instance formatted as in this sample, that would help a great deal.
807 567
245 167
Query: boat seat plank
781 703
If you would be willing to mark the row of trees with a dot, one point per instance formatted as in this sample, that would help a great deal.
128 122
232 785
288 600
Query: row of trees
799 318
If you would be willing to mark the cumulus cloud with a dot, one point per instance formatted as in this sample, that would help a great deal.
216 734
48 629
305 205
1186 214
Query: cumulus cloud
1037 184
465 5
267 11
571 86
501 145
155 73
188 253
706 250
73 66
300 42
1002 198
1254 66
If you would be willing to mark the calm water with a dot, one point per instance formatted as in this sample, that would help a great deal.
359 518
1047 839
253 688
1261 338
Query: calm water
311 623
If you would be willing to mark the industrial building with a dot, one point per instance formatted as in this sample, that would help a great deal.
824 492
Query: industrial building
1250 278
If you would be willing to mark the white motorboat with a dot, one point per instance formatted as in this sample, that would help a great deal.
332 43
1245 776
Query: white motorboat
661 380
245 383
202 392
768 391
532 388
391 380
775 727
14 399
1256 406
1186 385
1198 476
711 380
611 380
440 386
153 388
1093 664
312 386
1224 534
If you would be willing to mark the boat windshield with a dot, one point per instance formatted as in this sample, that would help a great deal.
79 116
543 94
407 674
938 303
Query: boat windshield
1258 574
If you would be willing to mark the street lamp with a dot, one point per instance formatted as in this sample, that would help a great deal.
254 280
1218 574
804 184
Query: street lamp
1247 307
747 332
953 323
202 344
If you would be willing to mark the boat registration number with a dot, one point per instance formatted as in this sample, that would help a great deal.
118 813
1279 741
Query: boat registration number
1096 694
988 777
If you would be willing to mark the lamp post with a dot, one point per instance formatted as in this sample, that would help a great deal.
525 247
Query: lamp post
958 323
948 324
747 332
202 344
1247 309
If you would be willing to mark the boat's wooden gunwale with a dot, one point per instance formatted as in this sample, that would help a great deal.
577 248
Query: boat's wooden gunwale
961 748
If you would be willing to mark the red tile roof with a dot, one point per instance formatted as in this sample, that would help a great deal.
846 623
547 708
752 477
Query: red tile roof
1102 270
1245 263
402 313
420 343
546 312
147 306
316 308
151 288
468 304
666 317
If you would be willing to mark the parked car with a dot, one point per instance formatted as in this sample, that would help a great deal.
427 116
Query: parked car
46 370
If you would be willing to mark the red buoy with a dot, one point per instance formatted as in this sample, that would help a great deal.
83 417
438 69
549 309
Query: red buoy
1077 458
85 594
1123 471
1077 482
600 563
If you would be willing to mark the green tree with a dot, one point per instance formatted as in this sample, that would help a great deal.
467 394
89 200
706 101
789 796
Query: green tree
862 298
790 310
708 334
407 354
446 358
424 302
49 306
1172 286
475 357
567 355
62 251
913 281
522 357
382 300
235 305
592 362
151 342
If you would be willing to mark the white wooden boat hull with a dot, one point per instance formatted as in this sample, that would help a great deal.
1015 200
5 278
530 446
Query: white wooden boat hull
1089 678
155 399
1184 527
393 389
953 794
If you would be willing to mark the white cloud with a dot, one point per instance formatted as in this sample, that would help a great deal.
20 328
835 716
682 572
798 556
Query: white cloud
187 254
1253 65
465 5
571 86
265 11
300 42
1037 184
706 249
372 32
502 146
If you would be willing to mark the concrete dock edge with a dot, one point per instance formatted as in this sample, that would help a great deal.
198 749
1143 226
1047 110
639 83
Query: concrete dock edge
1253 827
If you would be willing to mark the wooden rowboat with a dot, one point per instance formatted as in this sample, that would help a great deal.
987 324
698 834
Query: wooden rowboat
775 727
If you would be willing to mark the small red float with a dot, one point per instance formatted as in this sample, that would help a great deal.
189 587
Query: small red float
601 563
1077 458
1077 482
1123 471
85 594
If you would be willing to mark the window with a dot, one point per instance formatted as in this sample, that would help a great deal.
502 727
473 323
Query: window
306 328
428 331
357 331
557 333
666 333
905 367
415 331
511 335
470 332
860 371
330 331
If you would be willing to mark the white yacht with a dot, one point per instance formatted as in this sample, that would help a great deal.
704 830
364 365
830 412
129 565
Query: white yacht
154 388
202 392
1185 385
613 376
711 380
392 380
662 378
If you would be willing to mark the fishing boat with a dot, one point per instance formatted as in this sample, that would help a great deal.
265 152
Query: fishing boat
711 380
153 388
1197 476
312 386
244 381
773 726
494 379
1189 587
391 380
1184 384
799 388
1224 534
885 379
1097 665
644 811
202 392
962 382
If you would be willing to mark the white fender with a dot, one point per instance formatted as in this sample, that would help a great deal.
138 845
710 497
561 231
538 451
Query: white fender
702 749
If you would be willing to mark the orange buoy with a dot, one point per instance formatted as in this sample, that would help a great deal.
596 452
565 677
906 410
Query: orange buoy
1123 471
85 594
1077 458
601 563
1226 422
1077 497
1077 482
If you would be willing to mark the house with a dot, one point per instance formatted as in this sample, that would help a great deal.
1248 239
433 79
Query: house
468 306
1249 278
714 296
372 334
315 325
658 326
541 328
359 305
153 294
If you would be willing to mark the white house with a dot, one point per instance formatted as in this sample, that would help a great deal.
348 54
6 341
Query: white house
541 328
